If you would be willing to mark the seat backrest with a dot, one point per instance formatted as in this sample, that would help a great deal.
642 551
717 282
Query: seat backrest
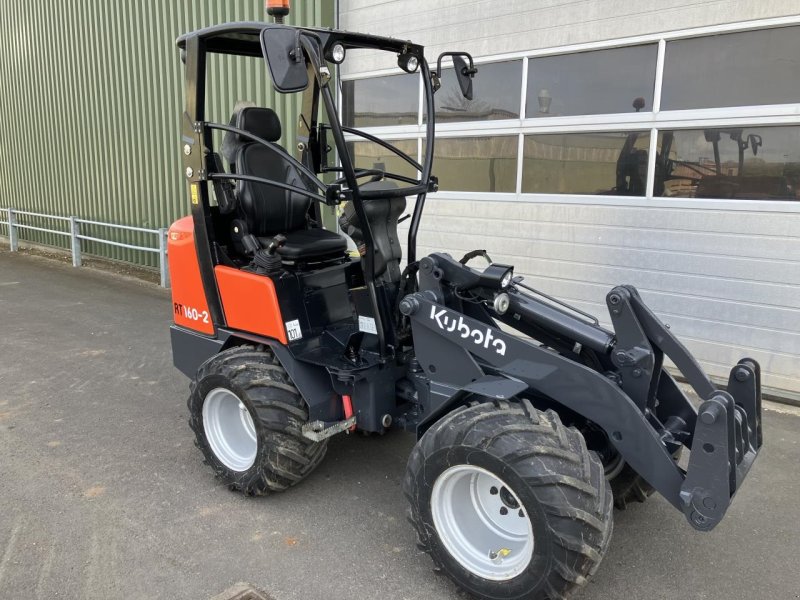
268 210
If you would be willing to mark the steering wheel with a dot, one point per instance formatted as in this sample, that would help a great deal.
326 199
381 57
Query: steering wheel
376 174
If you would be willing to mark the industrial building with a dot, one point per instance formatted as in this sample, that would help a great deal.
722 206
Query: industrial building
655 143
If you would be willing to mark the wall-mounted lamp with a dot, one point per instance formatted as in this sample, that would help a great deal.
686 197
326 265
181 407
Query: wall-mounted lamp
545 99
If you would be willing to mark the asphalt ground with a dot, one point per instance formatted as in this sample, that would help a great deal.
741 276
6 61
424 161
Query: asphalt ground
103 494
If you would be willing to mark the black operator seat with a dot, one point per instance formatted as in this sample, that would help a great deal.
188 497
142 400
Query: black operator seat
268 210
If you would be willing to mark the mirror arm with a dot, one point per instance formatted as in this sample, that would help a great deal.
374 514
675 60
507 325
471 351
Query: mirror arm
297 53
462 61
471 70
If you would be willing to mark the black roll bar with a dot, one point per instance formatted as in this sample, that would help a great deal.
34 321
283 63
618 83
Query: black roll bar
352 183
277 184
426 171
383 144
305 170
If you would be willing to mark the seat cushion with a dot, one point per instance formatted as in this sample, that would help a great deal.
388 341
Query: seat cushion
304 244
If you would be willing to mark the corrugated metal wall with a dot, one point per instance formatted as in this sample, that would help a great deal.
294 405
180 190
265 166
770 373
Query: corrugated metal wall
90 105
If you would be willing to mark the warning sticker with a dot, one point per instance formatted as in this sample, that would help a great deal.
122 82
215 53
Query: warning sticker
367 325
293 330
195 193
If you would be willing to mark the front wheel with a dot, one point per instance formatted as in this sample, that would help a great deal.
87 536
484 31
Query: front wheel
508 502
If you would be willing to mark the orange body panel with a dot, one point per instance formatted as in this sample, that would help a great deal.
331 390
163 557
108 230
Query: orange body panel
189 306
250 302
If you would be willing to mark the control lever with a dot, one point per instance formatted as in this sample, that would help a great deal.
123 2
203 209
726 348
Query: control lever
267 261
277 242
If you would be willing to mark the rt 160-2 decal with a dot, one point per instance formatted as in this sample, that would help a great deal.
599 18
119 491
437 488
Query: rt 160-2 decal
480 337
191 313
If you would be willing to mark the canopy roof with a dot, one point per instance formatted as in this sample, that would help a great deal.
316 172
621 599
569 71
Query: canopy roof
243 39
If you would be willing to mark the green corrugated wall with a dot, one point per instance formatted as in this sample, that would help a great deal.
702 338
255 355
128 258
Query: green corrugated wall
91 93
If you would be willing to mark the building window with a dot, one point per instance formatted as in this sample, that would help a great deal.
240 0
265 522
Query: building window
369 155
757 163
381 101
596 144
735 69
606 163
591 83
476 164
496 91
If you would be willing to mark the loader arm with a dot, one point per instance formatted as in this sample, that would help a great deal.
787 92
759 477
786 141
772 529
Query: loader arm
637 403
727 434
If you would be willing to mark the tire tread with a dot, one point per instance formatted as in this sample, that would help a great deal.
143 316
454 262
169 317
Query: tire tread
567 480
288 457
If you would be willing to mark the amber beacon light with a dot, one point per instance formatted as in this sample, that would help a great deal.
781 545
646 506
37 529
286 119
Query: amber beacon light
277 9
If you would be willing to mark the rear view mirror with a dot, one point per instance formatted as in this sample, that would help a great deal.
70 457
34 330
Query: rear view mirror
284 55
464 74
755 142
464 68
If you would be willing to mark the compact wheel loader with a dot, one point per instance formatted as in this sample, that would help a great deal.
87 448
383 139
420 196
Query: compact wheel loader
532 420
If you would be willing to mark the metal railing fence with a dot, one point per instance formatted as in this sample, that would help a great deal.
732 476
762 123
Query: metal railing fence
72 230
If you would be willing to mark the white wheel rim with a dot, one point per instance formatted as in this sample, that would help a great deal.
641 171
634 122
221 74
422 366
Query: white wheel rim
482 523
229 429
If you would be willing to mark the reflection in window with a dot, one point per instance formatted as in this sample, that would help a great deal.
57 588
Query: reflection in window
369 155
742 163
611 163
496 94
591 83
476 164
735 69
380 101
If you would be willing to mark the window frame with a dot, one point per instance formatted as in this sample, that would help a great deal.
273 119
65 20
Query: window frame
653 120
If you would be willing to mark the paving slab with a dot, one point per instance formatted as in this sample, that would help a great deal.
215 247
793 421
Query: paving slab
104 496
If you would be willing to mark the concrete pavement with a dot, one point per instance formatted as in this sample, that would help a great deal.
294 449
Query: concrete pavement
103 495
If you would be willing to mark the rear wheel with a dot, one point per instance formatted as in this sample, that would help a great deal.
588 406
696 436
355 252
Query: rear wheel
247 417
629 486
508 502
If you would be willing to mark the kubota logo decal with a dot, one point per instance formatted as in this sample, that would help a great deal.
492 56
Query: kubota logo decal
479 336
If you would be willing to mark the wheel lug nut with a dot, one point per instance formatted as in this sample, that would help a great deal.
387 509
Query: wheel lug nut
493 491
503 510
